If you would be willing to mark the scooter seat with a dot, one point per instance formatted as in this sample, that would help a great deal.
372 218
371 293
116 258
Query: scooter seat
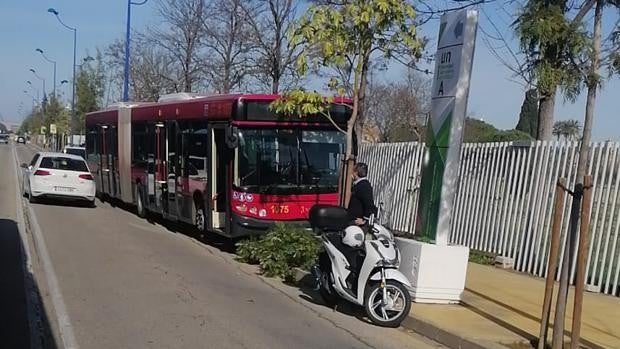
328 217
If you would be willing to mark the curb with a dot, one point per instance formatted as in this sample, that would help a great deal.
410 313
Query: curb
444 337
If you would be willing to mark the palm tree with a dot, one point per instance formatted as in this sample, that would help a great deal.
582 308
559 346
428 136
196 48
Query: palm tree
570 130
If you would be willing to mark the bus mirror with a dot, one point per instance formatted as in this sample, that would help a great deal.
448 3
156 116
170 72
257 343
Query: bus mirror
232 137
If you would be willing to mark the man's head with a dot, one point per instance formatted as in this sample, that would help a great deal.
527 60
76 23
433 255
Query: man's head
360 170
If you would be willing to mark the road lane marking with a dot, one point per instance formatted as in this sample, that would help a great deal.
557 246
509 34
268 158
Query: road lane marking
58 303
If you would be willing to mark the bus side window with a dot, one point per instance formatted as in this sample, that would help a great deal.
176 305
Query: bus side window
139 145
195 149
91 144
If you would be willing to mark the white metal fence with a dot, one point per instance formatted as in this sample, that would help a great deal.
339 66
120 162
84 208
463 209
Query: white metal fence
504 202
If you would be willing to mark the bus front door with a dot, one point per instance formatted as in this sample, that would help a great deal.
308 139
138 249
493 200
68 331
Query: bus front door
220 168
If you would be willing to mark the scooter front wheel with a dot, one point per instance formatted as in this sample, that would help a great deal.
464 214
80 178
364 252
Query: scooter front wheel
392 310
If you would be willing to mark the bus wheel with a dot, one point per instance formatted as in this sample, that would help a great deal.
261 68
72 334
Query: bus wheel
200 219
140 204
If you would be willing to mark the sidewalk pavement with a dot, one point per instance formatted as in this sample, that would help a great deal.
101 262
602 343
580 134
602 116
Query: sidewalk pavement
502 308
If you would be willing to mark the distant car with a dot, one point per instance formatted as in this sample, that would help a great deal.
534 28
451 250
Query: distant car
4 138
58 176
79 151
21 139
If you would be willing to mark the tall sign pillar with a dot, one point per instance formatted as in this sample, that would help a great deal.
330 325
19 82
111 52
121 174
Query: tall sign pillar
453 63
437 270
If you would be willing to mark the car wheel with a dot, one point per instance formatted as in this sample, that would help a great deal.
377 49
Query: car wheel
32 199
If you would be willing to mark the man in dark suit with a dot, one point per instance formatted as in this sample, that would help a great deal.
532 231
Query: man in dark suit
362 202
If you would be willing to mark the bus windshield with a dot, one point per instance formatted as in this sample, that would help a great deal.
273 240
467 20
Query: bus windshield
287 161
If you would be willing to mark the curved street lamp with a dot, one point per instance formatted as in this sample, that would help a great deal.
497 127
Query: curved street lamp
126 75
33 88
56 13
86 60
34 100
40 78
53 62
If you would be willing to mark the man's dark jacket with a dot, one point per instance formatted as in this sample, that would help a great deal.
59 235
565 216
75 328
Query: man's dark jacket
361 204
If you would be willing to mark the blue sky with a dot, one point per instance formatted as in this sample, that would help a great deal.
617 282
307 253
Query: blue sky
26 25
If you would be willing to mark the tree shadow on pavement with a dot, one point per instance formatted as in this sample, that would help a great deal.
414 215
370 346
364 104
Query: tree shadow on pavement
24 322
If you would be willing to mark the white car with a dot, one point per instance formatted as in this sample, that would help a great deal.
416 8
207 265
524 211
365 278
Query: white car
58 176
81 151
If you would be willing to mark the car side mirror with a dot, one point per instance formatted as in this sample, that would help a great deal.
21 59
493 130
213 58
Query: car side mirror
24 165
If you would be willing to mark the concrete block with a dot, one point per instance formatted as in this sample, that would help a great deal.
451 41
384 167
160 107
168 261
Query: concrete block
504 262
437 273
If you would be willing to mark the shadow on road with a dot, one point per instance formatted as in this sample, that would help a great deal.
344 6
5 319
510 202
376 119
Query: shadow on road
309 294
220 242
66 203
15 330
227 245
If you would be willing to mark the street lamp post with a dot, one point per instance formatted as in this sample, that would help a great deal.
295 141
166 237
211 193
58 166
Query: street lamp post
34 88
33 99
43 80
53 62
126 80
55 13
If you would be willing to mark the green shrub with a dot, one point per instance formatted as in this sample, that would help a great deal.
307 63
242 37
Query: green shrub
247 250
280 251
481 257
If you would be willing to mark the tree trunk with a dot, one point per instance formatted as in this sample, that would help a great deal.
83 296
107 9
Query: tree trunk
275 85
584 150
545 116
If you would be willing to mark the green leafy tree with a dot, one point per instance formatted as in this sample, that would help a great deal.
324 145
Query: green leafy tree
89 91
478 131
552 45
57 113
346 35
528 118
568 129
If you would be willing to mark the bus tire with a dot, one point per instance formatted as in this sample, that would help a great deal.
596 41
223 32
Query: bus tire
140 208
200 219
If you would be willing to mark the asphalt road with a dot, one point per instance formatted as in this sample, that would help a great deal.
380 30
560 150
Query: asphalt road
118 281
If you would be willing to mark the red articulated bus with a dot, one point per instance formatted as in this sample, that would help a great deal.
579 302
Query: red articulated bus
224 163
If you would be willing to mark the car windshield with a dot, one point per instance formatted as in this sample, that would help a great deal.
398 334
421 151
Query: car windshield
76 151
63 163
288 160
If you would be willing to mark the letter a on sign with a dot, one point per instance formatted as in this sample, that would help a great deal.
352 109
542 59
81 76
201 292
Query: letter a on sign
440 90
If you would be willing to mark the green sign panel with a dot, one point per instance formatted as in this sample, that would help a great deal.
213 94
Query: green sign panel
453 61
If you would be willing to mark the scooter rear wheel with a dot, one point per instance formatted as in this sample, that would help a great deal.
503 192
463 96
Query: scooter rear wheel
396 309
327 291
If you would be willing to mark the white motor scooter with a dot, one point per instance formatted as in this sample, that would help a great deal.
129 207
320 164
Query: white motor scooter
367 275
